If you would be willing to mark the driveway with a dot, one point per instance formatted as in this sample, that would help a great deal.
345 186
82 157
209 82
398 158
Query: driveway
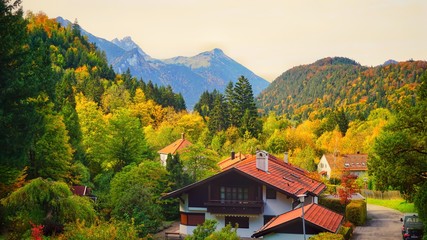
383 223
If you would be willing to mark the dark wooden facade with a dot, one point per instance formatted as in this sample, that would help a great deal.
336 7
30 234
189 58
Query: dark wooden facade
230 194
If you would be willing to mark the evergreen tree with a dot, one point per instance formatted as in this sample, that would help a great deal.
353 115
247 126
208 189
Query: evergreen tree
177 176
233 110
342 121
23 75
218 120
246 108
50 156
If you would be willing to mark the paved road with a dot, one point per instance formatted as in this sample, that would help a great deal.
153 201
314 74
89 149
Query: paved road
383 223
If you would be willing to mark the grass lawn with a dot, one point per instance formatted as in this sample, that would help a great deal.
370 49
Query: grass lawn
398 204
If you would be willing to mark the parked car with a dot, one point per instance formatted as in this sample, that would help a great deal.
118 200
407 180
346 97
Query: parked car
412 226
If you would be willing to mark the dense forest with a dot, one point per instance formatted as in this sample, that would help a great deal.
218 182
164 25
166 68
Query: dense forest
68 119
316 89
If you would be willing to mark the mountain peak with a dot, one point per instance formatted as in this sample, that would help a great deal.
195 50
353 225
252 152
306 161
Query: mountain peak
389 62
217 51
128 44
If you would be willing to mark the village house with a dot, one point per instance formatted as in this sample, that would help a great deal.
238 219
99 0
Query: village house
173 148
83 191
337 163
256 193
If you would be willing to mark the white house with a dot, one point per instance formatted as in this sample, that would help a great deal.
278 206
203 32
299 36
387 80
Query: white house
250 193
173 148
330 163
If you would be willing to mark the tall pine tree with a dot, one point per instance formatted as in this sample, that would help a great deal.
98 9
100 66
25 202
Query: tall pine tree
246 108
218 120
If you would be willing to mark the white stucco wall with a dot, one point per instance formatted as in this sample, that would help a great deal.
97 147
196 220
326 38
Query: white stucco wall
276 206
163 158
255 223
326 167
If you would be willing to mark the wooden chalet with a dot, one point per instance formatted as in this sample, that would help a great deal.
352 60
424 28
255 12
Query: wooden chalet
173 148
249 193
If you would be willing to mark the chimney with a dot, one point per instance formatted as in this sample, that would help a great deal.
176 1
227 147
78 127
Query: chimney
262 160
285 158
233 155
182 135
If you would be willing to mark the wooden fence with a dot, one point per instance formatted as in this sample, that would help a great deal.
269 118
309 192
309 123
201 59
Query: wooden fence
380 195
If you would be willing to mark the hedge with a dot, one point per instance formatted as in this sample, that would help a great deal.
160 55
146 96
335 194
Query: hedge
346 232
332 204
327 236
356 212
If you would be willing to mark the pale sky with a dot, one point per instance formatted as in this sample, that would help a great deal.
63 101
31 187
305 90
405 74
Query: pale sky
266 36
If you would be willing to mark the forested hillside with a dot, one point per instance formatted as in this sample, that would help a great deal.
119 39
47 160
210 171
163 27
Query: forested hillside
332 83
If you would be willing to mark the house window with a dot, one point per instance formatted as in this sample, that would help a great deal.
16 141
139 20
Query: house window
234 193
192 219
267 218
271 193
242 222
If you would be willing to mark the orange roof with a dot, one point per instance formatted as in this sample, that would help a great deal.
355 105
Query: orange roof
228 162
282 176
176 146
352 162
314 214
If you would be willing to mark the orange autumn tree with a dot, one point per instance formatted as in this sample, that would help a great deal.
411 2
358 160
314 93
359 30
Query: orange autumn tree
348 187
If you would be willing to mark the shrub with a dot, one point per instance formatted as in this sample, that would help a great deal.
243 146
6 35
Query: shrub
346 232
201 232
356 212
332 204
227 232
327 236
118 230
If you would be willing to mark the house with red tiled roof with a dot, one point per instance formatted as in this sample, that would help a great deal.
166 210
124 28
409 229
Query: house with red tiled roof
336 163
83 191
289 225
232 160
249 193
173 148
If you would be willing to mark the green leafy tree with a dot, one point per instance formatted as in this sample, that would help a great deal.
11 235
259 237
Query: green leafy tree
202 231
135 194
94 134
48 203
100 230
277 143
227 232
306 158
399 155
199 161
420 204
127 142
51 155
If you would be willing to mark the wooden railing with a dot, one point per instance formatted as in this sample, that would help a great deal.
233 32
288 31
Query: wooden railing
235 206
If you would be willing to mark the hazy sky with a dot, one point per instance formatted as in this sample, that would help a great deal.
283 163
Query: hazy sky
267 36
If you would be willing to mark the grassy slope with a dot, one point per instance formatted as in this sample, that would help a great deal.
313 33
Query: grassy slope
398 204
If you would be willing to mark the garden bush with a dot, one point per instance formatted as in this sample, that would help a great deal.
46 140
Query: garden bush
356 212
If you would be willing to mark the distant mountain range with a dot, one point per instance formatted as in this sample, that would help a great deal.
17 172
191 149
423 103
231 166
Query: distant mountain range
188 75
331 83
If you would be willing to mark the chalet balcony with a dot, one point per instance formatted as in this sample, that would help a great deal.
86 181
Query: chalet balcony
235 207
